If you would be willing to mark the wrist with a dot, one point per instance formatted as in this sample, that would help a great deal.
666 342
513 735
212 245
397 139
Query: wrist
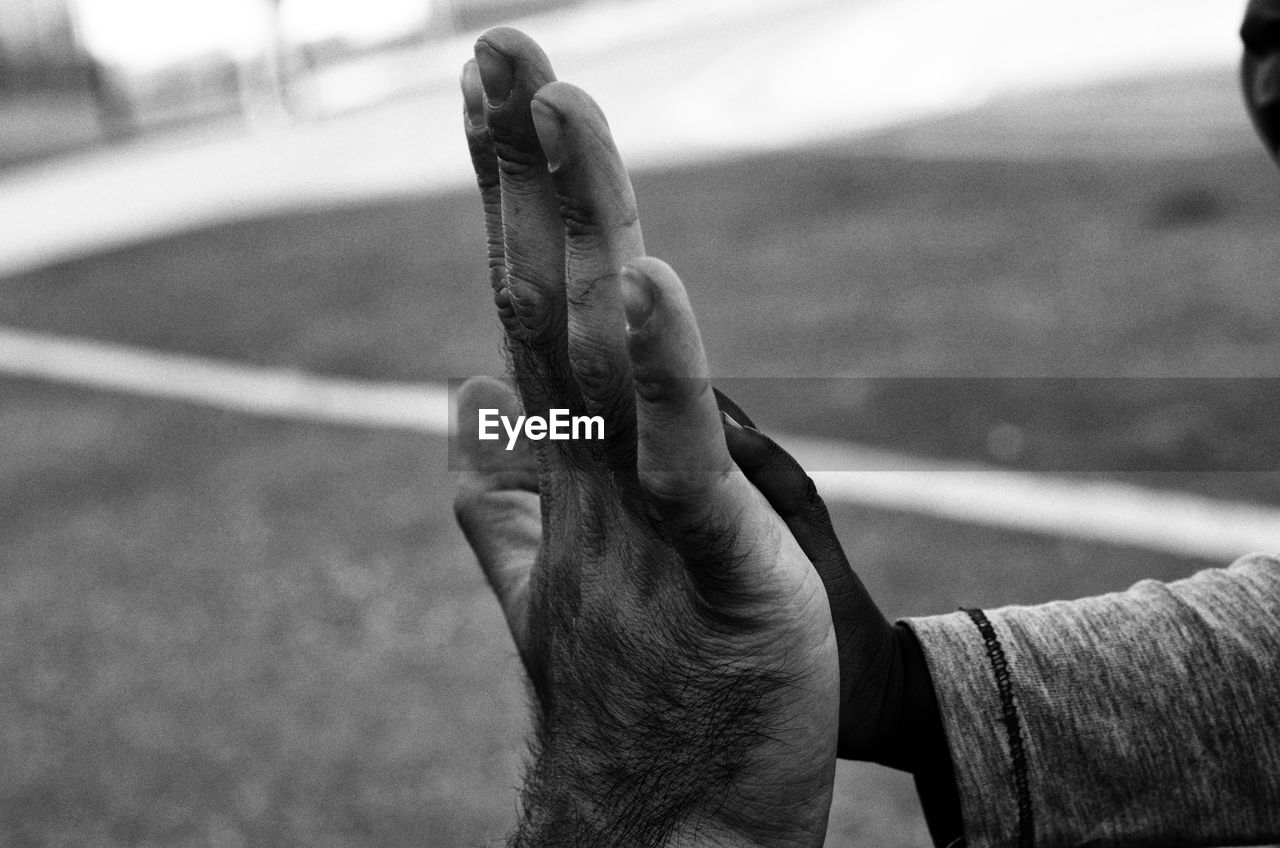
907 730
921 740
577 794
924 740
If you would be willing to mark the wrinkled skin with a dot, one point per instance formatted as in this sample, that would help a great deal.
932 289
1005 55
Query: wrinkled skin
633 574
679 642
536 260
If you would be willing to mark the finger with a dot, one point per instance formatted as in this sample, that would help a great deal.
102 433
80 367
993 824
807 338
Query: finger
497 503
794 497
512 67
857 619
485 163
730 407
715 519
602 233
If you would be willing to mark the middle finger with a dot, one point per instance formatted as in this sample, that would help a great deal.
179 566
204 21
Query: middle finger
602 232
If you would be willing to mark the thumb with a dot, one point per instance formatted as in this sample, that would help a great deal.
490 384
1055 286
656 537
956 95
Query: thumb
497 503
490 458
865 638
794 497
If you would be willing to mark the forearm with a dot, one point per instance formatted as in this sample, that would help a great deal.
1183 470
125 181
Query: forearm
1148 715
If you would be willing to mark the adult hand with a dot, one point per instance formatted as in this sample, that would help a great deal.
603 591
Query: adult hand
678 640
882 705
888 709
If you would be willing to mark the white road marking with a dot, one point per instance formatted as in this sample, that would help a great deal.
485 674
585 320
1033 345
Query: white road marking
769 87
270 392
1103 510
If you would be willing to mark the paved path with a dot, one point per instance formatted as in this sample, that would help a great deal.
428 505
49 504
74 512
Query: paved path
920 77
680 81
1098 510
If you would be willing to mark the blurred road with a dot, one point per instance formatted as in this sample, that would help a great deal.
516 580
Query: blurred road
680 82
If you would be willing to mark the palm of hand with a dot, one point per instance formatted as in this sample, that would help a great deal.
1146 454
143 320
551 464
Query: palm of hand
699 675
705 679
679 641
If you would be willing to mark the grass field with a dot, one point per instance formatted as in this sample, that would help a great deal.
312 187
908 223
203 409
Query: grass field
226 631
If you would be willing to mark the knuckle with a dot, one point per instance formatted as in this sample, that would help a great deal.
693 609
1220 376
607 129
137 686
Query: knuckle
507 315
532 307
587 216
684 489
486 174
497 268
517 159
580 218
599 374
581 293
486 168
655 384
491 201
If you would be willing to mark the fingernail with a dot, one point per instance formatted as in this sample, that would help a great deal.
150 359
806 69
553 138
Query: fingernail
730 420
550 133
496 74
472 93
637 298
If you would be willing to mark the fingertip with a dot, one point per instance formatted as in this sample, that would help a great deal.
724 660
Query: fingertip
680 434
476 398
737 440
664 346
638 296
730 406
749 448
497 75
571 101
483 391
512 42
647 281
653 268
472 92
549 125
508 60
589 172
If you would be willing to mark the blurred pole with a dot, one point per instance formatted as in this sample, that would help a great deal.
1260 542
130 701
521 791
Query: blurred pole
262 85
36 44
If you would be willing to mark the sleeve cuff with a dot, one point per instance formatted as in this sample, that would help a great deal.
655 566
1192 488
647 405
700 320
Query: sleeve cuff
980 735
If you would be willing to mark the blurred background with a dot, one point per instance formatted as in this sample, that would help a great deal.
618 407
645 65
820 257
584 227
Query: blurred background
76 71
240 258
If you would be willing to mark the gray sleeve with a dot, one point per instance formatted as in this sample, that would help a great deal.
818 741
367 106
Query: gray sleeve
1150 716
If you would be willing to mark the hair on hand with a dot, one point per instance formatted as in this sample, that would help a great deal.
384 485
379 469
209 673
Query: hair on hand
644 736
